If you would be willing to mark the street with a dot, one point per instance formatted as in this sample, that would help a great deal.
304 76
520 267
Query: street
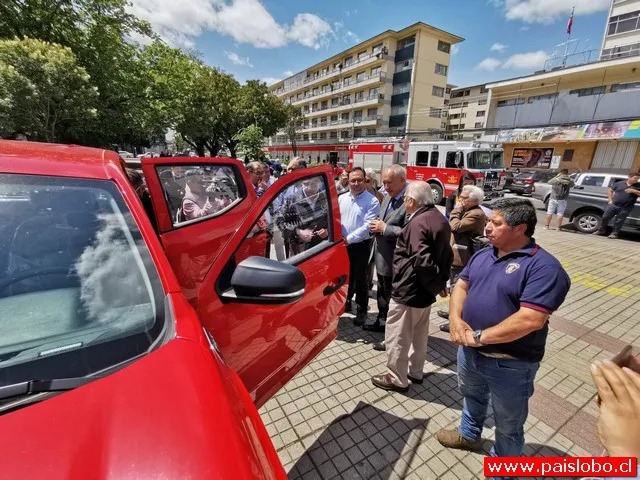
330 422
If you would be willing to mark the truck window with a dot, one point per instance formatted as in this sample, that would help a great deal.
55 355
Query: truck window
593 180
614 180
422 159
451 160
434 159
194 192
297 220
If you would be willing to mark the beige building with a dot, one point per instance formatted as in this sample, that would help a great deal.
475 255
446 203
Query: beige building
585 117
391 84
622 34
467 112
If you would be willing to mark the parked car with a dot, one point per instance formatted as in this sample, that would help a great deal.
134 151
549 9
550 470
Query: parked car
522 183
132 352
125 154
586 205
542 190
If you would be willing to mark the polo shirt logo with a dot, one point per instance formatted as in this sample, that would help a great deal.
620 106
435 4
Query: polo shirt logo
512 267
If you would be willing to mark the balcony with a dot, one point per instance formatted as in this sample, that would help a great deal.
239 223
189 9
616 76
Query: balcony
357 103
364 61
570 108
367 121
344 87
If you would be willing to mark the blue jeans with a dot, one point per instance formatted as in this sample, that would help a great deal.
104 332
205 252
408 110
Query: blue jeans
620 214
510 385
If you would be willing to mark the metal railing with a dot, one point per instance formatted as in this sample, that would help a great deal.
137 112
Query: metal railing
341 87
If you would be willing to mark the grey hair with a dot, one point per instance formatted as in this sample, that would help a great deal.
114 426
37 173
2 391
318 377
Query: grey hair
517 211
252 166
475 193
421 193
374 177
398 171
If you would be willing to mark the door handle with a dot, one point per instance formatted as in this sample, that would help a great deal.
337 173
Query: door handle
335 285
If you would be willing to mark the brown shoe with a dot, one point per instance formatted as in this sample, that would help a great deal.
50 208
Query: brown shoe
453 439
384 382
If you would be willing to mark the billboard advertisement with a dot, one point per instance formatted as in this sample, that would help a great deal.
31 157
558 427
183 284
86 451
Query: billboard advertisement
532 157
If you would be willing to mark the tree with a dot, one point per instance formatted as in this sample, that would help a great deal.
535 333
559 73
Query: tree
49 95
251 141
295 119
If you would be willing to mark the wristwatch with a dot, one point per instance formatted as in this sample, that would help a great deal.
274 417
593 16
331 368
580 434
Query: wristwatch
476 335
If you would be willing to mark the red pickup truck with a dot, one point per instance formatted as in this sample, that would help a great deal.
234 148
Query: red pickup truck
128 351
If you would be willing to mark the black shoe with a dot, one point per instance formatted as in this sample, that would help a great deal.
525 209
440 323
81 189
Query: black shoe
417 381
376 326
348 307
379 347
445 328
443 314
361 318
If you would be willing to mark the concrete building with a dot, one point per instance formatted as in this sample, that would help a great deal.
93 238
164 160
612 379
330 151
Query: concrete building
467 112
391 84
584 117
622 34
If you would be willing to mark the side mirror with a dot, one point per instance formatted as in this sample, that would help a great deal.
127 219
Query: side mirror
578 187
265 281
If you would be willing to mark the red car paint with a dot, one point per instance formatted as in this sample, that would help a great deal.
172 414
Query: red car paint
183 410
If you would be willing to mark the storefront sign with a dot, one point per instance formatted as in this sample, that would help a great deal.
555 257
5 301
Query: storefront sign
555 162
588 131
532 157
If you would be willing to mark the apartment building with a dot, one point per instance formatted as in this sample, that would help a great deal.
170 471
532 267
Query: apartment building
584 117
467 112
622 33
392 83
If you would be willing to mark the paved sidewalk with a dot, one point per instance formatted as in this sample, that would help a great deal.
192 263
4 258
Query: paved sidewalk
330 422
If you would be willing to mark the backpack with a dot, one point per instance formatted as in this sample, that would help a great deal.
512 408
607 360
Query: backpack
561 191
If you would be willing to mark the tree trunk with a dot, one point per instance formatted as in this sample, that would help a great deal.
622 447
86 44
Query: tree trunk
233 149
200 149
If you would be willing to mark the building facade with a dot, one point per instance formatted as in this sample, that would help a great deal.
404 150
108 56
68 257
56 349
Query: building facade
622 34
585 117
467 113
391 84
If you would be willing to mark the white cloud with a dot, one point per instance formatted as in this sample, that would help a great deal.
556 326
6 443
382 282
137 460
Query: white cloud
547 11
238 60
287 73
246 21
455 49
270 80
498 47
349 36
527 61
489 64
525 28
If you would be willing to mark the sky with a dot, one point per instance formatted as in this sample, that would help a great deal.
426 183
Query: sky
272 39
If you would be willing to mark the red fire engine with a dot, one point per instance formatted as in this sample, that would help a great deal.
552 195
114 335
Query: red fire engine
439 163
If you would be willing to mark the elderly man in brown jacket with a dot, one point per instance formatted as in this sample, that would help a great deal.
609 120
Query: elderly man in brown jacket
467 221
421 264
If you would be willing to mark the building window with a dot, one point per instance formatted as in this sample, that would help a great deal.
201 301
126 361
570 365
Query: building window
335 102
444 46
372 113
480 113
435 112
537 98
620 87
467 93
404 65
333 135
360 76
399 110
483 90
624 23
446 102
373 93
448 90
401 88
437 91
457 94
465 104
357 132
478 125
513 101
376 71
629 50
344 134
323 135
346 81
359 96
585 92
345 117
357 116
348 61
305 137
407 42
362 56
377 49
346 100
441 69
567 156
324 105
482 102
371 132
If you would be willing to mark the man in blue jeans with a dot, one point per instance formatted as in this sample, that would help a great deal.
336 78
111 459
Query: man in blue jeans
622 197
499 313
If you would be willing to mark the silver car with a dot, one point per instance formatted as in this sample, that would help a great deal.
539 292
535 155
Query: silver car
542 190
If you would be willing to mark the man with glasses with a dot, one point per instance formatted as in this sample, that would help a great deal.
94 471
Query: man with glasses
358 209
256 175
311 211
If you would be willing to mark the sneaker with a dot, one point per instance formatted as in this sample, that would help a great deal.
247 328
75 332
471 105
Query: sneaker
546 227
613 235
453 439
379 347
600 232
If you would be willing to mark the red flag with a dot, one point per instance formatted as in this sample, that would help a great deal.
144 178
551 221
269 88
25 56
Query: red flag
570 24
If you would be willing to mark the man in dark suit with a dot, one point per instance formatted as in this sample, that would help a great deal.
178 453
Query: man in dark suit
386 230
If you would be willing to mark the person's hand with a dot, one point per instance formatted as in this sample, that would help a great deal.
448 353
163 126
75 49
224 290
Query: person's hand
619 418
610 202
305 235
323 233
469 341
207 206
377 226
458 327
457 206
444 293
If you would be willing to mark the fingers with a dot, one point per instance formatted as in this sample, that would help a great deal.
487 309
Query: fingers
610 381
635 380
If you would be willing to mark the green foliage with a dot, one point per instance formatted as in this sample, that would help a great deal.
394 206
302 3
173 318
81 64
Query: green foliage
251 141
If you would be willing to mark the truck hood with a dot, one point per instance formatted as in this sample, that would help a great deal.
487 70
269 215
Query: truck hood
168 415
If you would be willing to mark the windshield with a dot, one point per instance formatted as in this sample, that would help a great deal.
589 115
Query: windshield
485 160
78 289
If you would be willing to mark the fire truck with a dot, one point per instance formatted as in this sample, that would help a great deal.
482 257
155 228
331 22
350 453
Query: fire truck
439 163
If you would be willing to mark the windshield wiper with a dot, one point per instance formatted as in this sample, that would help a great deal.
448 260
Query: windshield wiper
32 387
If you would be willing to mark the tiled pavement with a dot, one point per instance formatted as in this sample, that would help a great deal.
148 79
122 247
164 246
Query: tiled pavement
330 422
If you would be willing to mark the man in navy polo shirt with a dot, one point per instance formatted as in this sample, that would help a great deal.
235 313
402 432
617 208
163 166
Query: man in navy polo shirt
499 313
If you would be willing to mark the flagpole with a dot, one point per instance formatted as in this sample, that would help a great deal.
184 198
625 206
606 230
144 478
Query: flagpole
566 47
